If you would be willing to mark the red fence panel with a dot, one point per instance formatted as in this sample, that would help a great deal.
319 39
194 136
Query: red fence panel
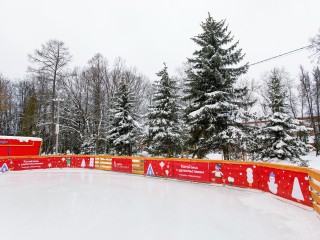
27 163
192 171
16 164
160 168
285 183
240 175
122 165
79 162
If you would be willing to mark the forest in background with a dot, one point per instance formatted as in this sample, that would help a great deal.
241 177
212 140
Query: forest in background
112 108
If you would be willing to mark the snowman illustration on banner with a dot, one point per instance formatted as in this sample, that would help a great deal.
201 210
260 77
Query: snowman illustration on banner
273 187
250 176
217 173
231 180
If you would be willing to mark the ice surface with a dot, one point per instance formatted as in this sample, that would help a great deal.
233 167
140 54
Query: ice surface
91 204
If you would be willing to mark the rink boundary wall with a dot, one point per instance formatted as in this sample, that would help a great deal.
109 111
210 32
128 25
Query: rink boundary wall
297 184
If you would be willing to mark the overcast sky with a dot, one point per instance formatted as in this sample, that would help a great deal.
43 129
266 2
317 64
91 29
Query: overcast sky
147 33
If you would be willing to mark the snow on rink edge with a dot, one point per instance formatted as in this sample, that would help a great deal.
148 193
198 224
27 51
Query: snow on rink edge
92 204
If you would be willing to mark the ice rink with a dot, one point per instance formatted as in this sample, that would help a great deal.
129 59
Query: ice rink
91 204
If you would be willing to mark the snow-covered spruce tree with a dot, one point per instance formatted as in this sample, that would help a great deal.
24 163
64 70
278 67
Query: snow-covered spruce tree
125 129
164 127
279 137
29 121
88 145
214 103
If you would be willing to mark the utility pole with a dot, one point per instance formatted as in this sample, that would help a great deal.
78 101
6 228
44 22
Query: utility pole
57 124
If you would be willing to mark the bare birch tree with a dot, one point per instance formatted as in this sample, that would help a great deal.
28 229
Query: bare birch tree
306 86
49 64
315 43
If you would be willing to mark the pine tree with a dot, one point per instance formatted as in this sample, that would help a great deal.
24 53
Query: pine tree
88 145
29 121
125 129
279 138
214 101
164 131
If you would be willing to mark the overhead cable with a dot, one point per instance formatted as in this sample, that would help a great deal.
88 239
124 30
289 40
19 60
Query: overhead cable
281 55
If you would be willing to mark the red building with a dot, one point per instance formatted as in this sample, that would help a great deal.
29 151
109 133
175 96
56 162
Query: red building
20 146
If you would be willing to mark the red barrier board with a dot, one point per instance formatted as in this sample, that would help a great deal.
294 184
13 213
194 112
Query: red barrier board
122 165
4 151
56 162
240 175
80 162
285 183
45 162
161 168
193 171
25 164
30 163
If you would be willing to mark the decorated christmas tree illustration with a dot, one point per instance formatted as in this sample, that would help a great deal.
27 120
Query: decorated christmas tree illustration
150 170
83 163
296 190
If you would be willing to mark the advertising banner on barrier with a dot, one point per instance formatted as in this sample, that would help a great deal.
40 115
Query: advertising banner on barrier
17 164
56 162
240 175
25 164
122 165
80 162
285 183
160 168
5 165
192 171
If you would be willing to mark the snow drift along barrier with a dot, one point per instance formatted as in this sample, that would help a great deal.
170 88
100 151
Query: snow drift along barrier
301 185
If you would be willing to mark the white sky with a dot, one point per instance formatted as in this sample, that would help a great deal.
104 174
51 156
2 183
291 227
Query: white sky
147 33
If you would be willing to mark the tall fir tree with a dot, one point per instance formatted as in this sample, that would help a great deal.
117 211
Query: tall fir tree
125 129
88 145
164 127
214 101
279 138
29 121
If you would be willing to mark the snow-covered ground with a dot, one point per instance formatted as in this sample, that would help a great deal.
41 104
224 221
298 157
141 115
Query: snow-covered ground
91 204
314 161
